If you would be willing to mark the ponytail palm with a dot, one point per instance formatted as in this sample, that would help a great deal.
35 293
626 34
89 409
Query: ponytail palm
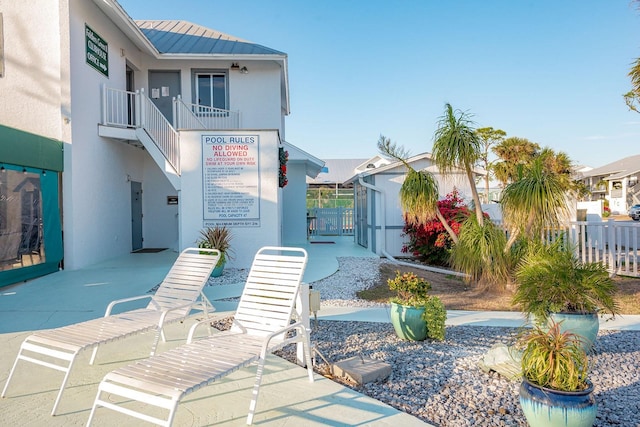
536 202
419 200
480 253
456 145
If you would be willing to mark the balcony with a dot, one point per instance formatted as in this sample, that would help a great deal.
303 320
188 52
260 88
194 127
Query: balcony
133 118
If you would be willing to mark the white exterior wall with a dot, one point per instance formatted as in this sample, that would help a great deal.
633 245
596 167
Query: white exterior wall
96 187
33 66
246 240
256 94
294 219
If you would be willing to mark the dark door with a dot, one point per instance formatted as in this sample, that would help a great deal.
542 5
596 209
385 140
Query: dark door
131 113
136 215
163 86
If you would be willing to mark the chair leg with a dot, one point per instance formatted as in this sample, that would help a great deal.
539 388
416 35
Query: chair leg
63 385
13 368
256 390
93 355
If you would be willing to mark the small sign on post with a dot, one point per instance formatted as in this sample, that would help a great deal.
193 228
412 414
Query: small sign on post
97 51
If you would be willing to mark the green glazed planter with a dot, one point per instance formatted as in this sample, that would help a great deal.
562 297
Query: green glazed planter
585 325
408 322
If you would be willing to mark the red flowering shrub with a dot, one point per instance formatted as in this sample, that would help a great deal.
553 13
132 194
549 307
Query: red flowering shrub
430 242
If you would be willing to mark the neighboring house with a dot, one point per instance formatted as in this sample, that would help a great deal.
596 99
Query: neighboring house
616 182
123 135
378 216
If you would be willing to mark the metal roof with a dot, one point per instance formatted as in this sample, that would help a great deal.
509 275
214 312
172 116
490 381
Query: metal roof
337 171
619 168
171 36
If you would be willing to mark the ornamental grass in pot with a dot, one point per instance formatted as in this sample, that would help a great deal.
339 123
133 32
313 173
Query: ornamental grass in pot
415 314
218 237
555 389
553 283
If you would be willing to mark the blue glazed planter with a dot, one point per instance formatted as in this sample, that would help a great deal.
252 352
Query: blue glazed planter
585 325
544 407
408 322
217 271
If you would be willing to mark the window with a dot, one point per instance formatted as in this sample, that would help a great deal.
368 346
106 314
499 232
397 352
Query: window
211 90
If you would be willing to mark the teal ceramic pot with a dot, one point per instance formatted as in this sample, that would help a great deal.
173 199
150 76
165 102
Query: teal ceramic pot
217 271
408 322
544 407
585 325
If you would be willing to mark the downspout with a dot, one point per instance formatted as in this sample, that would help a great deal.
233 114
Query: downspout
383 226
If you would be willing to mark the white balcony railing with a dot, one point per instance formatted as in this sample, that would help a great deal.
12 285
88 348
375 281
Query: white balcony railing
193 116
118 108
127 109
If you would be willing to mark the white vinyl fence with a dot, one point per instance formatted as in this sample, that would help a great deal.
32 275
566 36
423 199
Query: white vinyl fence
615 244
331 222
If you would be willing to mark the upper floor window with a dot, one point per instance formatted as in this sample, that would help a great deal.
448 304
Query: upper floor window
211 89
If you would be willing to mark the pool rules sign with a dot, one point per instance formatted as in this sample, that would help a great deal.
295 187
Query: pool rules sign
231 180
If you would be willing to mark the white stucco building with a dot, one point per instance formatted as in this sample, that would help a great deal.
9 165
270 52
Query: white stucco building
140 133
378 217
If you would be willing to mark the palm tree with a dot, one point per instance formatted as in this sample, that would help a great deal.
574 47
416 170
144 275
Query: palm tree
536 202
632 98
488 137
513 153
457 146
419 192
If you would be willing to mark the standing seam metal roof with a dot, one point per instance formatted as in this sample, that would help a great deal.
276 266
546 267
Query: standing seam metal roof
171 36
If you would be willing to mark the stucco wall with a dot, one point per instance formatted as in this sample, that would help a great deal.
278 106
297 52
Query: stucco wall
246 240
294 219
31 86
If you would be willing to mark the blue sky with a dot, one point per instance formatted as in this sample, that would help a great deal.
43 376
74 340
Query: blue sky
551 71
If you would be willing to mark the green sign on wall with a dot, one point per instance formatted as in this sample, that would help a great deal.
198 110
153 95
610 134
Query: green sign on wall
97 51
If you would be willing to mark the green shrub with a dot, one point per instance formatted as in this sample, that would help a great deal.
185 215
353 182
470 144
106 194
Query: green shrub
435 316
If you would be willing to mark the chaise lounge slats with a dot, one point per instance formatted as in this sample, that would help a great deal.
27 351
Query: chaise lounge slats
176 296
264 317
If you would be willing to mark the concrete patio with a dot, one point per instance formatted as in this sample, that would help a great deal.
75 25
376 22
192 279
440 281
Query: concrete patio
287 398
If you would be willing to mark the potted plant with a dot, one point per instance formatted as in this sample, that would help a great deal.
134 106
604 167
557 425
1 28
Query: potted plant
553 283
555 389
217 238
414 314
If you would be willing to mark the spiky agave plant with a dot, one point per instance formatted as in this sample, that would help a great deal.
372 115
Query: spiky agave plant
217 238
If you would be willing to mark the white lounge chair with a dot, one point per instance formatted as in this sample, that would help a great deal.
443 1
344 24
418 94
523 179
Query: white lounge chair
176 296
262 324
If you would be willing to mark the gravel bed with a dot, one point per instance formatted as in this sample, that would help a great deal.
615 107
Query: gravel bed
440 382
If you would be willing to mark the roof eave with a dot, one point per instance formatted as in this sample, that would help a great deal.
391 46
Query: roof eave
123 21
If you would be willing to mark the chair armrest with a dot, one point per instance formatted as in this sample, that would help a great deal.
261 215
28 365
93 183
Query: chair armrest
118 301
282 331
192 329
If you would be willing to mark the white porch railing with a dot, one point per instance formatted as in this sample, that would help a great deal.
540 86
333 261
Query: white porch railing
123 108
192 116
331 222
